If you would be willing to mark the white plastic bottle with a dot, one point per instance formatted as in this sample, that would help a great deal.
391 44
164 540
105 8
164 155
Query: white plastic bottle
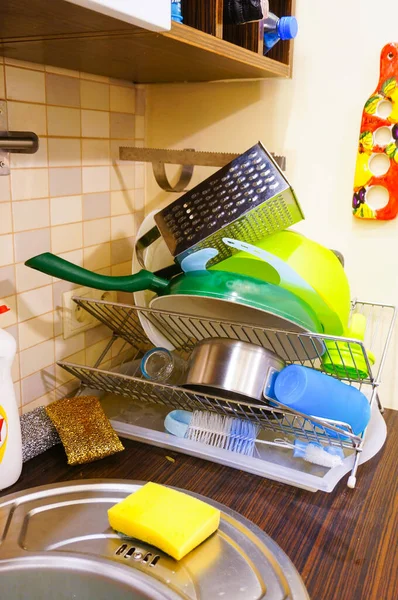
10 428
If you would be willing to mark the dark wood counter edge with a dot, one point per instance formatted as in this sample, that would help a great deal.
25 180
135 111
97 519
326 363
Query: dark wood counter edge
344 544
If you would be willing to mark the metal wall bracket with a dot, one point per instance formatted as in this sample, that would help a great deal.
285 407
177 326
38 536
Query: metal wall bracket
21 142
188 158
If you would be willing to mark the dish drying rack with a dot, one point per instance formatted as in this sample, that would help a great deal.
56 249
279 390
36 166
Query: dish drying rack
279 426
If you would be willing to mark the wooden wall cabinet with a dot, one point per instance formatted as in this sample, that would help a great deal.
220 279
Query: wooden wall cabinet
202 49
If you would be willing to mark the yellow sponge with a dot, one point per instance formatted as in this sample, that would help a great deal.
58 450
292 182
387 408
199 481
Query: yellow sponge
170 520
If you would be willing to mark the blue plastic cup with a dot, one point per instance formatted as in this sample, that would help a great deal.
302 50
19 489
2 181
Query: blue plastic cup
316 394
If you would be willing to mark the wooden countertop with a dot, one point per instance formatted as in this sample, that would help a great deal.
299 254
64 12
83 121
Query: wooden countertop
344 544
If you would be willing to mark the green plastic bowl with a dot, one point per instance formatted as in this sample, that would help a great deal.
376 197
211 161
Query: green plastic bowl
317 265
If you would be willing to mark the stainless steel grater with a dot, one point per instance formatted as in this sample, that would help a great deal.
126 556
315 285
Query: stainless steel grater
247 199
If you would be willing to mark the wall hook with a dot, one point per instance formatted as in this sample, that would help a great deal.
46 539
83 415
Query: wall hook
21 142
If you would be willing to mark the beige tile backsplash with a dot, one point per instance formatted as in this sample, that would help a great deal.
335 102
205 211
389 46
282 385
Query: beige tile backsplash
73 198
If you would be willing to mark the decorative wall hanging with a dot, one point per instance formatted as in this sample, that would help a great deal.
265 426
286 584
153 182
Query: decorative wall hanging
376 172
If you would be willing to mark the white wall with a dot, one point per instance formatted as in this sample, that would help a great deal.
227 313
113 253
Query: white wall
314 120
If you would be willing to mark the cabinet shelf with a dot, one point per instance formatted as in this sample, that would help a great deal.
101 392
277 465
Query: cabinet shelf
75 38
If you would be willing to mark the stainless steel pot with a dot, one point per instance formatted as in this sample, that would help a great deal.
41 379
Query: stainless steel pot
233 367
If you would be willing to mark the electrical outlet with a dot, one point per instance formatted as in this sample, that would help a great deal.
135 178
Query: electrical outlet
74 318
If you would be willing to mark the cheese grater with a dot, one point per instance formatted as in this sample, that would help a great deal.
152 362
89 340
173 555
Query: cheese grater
247 199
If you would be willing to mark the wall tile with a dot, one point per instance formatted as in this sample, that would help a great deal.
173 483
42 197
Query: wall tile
61 71
26 161
96 232
92 77
23 84
140 101
58 290
97 257
21 113
139 176
66 237
35 331
30 243
29 183
95 152
120 270
61 375
122 202
63 121
63 152
94 352
5 217
24 64
123 226
62 91
65 181
38 384
97 334
70 346
43 208
10 317
94 95
29 279
95 123
115 151
122 82
139 199
2 86
66 209
96 206
122 99
139 127
41 401
5 193
6 250
74 256
34 303
96 179
31 214
122 126
122 177
36 358
67 390
122 251
7 281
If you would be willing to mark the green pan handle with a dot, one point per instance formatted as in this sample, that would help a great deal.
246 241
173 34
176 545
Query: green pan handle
58 267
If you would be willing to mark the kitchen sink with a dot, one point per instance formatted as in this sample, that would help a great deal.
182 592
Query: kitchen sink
56 543
67 578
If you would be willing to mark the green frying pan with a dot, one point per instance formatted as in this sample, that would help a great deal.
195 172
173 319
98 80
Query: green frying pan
212 294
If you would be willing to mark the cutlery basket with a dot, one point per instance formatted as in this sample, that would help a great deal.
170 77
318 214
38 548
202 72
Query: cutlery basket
139 403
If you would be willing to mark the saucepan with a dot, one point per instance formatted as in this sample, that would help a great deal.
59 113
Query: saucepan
211 294
234 369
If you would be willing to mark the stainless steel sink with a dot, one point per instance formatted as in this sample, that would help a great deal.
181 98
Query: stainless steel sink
56 543
67 578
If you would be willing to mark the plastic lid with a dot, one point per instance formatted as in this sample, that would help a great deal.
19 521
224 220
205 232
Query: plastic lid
290 385
4 309
287 28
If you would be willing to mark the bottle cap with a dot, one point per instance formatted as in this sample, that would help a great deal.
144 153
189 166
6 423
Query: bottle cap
4 309
287 28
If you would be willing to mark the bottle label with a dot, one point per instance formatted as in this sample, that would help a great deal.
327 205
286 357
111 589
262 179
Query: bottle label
3 432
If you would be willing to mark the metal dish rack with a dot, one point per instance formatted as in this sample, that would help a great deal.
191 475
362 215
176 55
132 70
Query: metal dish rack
184 331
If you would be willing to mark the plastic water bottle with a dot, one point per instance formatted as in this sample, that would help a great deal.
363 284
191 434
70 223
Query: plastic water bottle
275 29
10 428
318 395
176 13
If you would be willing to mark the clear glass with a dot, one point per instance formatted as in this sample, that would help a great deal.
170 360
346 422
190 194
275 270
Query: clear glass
163 366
